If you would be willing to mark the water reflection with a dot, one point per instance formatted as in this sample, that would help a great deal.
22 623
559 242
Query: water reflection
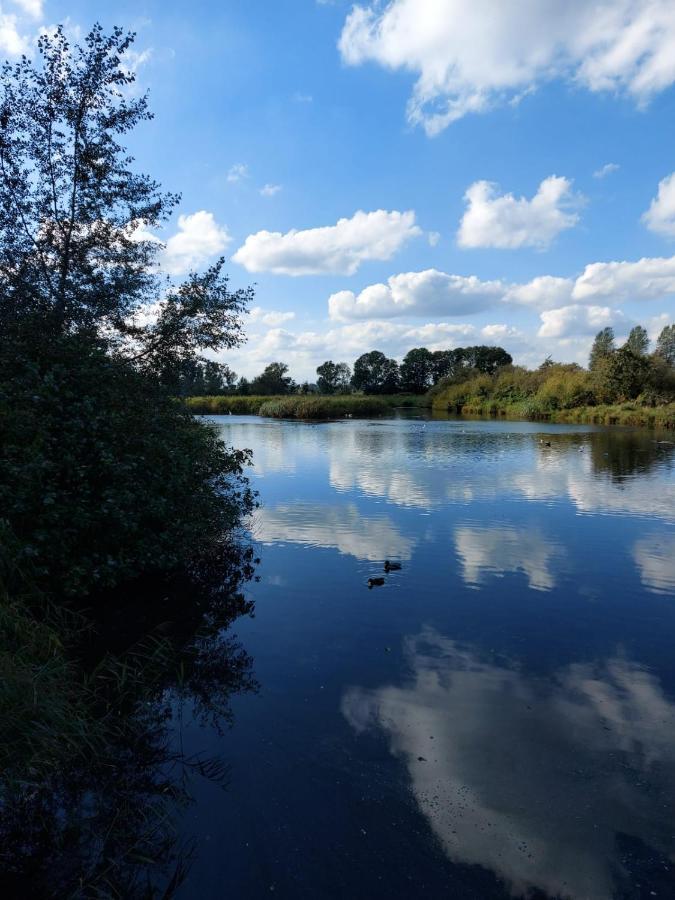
341 527
90 794
503 549
545 781
655 558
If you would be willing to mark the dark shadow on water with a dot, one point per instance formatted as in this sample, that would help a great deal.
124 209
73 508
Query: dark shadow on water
99 819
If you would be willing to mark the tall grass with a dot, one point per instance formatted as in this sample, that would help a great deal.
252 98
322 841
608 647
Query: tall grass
307 407
356 404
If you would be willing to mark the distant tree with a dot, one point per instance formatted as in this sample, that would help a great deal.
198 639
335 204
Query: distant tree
483 358
665 344
621 375
307 388
243 386
603 346
333 377
417 371
638 341
547 363
218 378
273 380
374 373
443 362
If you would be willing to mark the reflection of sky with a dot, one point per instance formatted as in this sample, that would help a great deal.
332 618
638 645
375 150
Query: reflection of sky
531 777
655 558
504 549
340 527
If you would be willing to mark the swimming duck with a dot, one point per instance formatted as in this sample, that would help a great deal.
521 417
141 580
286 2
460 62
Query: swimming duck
391 566
375 582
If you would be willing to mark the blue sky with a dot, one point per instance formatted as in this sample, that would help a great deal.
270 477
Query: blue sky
410 173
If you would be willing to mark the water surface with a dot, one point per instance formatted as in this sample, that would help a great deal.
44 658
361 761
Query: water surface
498 719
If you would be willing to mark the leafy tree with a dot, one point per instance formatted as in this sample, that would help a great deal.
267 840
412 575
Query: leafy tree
417 371
603 346
638 341
443 363
621 375
333 377
102 476
374 373
218 378
665 344
273 380
484 359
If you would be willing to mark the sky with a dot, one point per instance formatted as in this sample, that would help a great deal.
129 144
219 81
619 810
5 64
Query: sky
408 173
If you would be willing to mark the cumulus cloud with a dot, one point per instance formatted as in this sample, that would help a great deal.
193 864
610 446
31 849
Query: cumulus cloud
417 293
12 42
576 319
507 222
334 249
32 8
545 291
647 279
469 56
660 217
271 317
606 170
199 238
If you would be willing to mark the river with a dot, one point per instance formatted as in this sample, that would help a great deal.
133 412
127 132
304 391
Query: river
498 718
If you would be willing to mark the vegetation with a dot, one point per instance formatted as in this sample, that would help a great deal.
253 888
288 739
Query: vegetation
238 405
621 386
323 407
105 482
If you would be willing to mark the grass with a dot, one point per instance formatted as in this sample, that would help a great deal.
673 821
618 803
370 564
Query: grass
317 406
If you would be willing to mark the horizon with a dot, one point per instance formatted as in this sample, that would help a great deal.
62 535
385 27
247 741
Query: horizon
385 192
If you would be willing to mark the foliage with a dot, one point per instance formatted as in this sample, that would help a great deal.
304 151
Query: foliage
334 378
273 380
417 370
638 341
323 407
374 373
603 346
665 344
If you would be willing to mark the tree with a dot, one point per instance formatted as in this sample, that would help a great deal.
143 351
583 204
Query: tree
333 377
665 344
443 363
118 479
603 346
374 373
621 375
417 371
638 341
273 380
483 358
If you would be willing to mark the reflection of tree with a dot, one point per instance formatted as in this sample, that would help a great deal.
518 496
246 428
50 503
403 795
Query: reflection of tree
92 781
621 454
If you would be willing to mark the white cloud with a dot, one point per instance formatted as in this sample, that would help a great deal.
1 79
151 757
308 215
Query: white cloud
469 55
417 293
32 8
12 42
273 318
506 222
660 217
576 319
655 558
335 249
199 238
545 291
433 237
606 170
648 278
269 190
237 172
498 550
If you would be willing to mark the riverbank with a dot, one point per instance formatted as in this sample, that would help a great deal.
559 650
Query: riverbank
629 414
306 406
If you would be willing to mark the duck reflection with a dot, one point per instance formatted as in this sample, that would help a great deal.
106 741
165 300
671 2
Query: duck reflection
545 781
498 550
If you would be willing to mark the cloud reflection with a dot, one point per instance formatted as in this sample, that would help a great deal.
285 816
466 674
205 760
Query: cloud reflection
655 558
502 549
533 778
341 527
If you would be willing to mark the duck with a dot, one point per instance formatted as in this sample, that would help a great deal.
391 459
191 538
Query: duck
375 582
391 566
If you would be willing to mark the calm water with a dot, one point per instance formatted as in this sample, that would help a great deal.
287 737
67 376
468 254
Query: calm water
498 719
